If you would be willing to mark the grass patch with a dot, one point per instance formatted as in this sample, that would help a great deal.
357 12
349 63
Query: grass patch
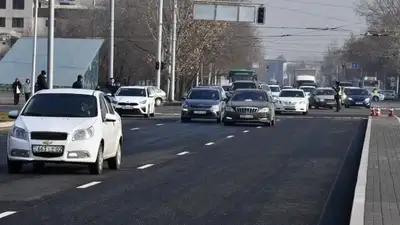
4 117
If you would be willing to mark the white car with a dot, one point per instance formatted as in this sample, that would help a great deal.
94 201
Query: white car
307 89
292 100
275 90
137 100
65 126
160 95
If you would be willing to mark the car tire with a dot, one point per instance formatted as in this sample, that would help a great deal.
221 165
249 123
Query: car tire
267 124
38 167
273 122
331 107
278 112
305 113
158 102
347 106
14 166
114 163
185 120
375 99
97 167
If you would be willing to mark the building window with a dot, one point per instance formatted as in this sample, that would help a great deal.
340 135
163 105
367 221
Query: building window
2 22
18 22
3 4
18 4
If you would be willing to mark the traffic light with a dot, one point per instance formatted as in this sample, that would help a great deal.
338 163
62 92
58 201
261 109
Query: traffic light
261 15
157 65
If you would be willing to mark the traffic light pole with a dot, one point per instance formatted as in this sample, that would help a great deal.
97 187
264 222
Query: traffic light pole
159 44
173 50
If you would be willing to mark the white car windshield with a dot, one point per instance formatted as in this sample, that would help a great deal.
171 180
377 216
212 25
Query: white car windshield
61 105
293 94
250 96
205 94
244 85
135 92
275 89
325 92
307 89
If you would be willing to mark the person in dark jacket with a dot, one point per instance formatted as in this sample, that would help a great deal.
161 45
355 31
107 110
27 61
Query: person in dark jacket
17 87
42 81
78 83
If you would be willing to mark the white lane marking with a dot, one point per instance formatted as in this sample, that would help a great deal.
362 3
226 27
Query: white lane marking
209 143
182 153
145 166
159 125
135 128
259 127
7 213
89 184
246 131
230 136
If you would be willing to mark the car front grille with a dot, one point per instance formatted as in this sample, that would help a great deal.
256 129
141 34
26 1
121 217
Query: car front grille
124 103
200 106
246 110
54 136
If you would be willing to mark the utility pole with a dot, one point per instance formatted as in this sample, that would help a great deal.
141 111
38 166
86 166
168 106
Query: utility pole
159 44
173 50
50 46
111 51
35 16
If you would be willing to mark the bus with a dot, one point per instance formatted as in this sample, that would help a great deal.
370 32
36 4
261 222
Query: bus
242 74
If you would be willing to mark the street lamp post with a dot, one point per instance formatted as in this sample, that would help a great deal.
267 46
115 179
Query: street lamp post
35 16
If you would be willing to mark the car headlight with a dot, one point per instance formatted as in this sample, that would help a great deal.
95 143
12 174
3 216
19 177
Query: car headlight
215 108
83 134
350 99
143 102
321 99
229 109
264 110
19 133
367 100
114 101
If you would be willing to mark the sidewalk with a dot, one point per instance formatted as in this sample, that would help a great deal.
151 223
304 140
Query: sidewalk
377 193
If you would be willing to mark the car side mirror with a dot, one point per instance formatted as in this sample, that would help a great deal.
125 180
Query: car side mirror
111 117
13 114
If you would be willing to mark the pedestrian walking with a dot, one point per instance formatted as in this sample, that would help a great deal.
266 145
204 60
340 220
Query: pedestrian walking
27 88
17 87
78 83
338 96
42 81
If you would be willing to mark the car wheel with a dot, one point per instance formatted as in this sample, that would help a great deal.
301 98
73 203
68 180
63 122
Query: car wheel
14 166
185 120
38 167
114 163
305 113
158 102
273 122
375 98
278 112
267 124
97 167
347 106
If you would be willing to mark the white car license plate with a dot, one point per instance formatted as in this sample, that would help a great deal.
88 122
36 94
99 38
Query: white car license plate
359 103
246 116
200 112
127 107
47 148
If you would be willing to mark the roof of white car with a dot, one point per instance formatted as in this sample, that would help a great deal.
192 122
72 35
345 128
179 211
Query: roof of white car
292 89
306 87
273 85
68 91
137 87
324 88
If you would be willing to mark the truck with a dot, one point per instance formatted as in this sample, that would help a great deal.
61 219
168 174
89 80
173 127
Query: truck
242 74
305 77
275 71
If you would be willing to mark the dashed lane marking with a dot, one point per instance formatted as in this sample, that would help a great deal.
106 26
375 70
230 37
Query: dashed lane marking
209 143
159 125
135 128
246 131
89 184
230 136
182 153
259 127
145 166
7 213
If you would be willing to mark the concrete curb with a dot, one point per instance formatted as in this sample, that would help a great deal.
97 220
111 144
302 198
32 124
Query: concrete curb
6 124
358 208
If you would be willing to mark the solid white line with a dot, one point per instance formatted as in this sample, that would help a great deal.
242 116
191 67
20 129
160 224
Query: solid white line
89 184
160 124
358 209
259 127
246 131
145 166
7 213
136 128
209 143
182 153
230 136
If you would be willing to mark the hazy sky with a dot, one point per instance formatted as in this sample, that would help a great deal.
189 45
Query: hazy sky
308 44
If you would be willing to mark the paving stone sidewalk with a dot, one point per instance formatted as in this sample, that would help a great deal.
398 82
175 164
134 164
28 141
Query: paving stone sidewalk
379 194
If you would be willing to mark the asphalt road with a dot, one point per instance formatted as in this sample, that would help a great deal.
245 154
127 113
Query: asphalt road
300 172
